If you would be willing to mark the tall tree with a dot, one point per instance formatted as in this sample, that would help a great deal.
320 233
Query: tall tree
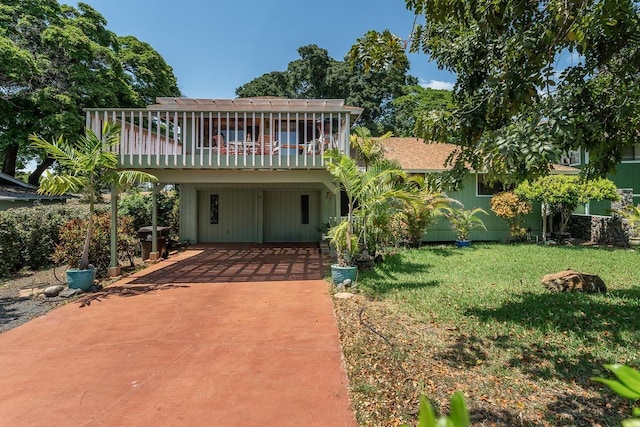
56 60
533 79
316 75
415 102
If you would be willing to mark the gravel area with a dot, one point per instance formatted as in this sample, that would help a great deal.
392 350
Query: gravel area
16 309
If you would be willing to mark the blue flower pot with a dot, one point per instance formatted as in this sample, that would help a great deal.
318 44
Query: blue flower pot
463 243
81 279
339 274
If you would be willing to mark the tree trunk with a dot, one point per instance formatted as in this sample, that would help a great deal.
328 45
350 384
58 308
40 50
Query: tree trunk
34 178
10 160
544 222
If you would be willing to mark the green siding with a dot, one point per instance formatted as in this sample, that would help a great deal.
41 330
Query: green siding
626 175
254 212
497 229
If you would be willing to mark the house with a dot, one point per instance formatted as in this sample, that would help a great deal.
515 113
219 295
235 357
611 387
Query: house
626 176
18 194
248 170
417 157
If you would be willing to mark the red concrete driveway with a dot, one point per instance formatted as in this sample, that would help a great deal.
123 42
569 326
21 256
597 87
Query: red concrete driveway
214 354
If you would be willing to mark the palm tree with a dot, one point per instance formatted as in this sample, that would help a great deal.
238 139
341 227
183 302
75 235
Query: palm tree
366 191
423 211
87 167
368 149
464 221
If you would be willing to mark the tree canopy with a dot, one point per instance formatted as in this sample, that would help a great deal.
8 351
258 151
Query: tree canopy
55 60
316 75
533 79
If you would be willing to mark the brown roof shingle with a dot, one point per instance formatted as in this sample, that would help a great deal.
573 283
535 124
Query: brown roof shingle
414 155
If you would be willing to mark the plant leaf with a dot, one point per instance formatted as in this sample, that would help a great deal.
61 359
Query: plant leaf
627 376
618 388
459 413
427 418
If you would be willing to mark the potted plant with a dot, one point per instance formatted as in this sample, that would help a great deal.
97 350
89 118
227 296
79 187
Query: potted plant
346 245
364 190
86 166
463 222
632 214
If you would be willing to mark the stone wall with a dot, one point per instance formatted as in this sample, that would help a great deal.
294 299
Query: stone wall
600 230
603 230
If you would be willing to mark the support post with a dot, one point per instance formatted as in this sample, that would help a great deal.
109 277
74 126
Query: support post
114 267
154 255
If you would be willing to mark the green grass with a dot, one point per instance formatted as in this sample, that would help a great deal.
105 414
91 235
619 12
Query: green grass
509 324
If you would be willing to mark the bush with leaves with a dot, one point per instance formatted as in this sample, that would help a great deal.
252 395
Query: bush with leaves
512 208
564 193
71 241
29 235
138 206
9 247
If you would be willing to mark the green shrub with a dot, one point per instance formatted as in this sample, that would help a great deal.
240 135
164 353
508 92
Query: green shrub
73 233
138 206
29 235
9 247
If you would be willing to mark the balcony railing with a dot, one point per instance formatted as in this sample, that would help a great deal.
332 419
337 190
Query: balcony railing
152 138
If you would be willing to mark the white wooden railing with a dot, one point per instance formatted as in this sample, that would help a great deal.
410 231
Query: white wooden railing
197 139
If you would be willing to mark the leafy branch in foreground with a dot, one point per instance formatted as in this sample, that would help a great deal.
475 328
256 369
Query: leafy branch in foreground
627 385
458 416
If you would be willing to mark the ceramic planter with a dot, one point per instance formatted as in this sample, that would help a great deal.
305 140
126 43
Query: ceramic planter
463 243
339 273
81 279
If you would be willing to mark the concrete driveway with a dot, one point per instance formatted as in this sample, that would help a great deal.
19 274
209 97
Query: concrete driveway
175 353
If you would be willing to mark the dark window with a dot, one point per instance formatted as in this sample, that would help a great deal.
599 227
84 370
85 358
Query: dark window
304 208
490 188
631 153
213 215
344 203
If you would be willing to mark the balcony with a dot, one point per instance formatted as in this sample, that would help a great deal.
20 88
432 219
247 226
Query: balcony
258 133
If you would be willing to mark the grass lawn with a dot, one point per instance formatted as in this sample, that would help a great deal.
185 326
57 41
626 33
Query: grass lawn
439 319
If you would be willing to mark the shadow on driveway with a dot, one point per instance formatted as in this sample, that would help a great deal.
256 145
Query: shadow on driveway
221 263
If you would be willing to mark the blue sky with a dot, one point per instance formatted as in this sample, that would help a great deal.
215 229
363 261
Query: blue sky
214 46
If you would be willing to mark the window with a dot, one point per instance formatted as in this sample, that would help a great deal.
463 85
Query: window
304 209
570 158
630 154
484 188
214 209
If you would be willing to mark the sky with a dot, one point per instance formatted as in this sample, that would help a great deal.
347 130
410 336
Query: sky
215 46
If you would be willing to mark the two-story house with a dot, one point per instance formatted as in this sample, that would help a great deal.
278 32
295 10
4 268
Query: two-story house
248 170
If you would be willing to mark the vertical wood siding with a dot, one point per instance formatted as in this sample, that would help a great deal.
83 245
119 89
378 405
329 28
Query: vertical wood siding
236 216
283 220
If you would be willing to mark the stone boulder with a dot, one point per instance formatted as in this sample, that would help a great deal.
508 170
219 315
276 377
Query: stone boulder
574 281
53 291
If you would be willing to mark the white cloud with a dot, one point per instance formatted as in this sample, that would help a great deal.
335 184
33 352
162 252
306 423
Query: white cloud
437 84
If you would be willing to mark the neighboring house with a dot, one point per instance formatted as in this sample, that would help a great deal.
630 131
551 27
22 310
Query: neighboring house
626 176
417 157
249 170
18 194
